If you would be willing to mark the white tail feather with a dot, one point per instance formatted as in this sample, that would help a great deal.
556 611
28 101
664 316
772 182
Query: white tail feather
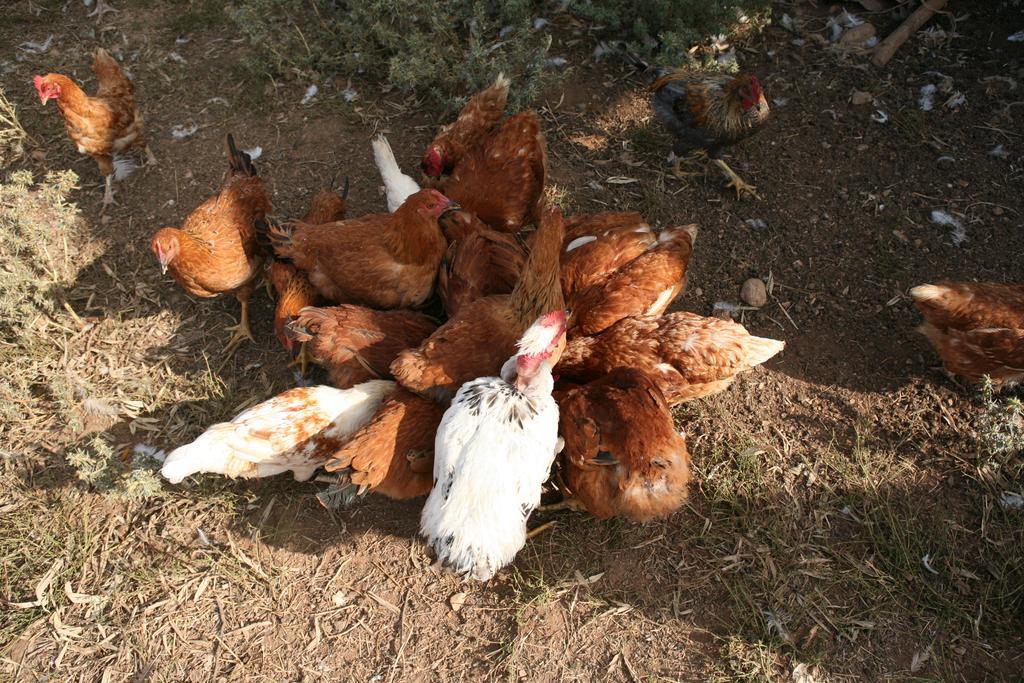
760 349
123 167
397 184
927 292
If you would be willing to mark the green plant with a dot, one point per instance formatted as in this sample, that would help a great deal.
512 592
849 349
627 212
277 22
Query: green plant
666 29
446 49
1001 425
107 471
12 135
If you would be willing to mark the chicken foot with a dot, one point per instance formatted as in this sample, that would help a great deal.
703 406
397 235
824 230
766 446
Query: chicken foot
150 157
568 503
242 331
302 359
696 158
102 8
735 181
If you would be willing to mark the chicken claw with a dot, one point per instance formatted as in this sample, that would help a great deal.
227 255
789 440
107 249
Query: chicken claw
241 330
695 159
102 8
736 182
302 359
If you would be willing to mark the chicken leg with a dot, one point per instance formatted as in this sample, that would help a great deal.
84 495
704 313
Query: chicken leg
108 192
736 182
302 359
102 8
241 330
150 157
567 503
698 157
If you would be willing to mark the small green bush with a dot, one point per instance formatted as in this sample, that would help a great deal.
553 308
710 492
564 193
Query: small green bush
1001 424
446 49
103 469
666 29
12 135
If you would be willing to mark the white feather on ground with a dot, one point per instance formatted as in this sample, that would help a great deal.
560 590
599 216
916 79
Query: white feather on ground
397 185
292 431
123 167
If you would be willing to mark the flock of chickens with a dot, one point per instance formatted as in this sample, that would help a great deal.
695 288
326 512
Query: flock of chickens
554 341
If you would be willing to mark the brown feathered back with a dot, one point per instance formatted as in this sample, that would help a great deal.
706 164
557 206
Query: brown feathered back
393 453
502 180
476 119
623 456
976 327
356 344
483 263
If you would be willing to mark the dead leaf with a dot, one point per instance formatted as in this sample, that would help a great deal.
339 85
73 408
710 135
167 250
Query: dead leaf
457 601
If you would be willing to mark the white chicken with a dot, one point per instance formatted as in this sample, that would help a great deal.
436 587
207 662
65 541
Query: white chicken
297 430
492 453
397 185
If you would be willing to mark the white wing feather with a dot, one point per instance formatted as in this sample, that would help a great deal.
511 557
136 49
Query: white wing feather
279 434
489 471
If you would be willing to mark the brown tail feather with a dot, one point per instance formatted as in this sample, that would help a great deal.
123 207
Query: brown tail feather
240 162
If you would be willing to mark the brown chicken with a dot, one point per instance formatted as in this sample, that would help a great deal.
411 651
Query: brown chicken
976 327
483 263
687 355
501 180
484 334
644 286
592 255
327 206
708 112
477 118
294 292
605 223
393 453
355 343
387 260
215 251
459 223
622 455
103 125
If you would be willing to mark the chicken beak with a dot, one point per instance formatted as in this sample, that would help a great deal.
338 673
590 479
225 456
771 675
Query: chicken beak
163 268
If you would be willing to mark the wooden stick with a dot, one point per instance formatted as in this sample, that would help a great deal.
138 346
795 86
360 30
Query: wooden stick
887 48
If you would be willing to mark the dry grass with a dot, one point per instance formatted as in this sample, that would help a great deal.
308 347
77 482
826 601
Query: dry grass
800 556
12 135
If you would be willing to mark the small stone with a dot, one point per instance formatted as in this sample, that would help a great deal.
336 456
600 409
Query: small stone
859 97
39 155
457 601
998 211
753 293
856 36
339 599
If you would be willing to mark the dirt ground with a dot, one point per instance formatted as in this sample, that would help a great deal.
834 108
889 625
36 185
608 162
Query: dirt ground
845 523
